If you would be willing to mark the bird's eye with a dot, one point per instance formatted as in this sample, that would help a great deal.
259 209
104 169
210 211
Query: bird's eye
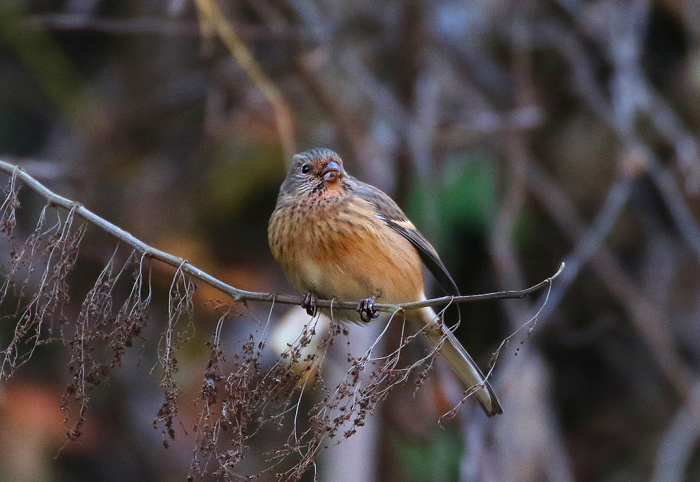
305 168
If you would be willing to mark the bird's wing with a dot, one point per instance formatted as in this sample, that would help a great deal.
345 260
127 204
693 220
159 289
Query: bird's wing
388 211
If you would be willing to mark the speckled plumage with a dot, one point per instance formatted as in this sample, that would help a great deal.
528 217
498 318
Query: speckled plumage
337 237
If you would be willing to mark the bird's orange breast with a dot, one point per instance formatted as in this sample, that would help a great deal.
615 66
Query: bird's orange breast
335 246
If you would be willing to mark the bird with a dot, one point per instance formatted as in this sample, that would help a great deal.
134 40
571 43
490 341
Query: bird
336 237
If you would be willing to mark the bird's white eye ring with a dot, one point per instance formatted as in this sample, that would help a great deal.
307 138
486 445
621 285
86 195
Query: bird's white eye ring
305 168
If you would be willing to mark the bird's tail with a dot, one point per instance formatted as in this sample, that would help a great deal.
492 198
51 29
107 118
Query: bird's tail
460 361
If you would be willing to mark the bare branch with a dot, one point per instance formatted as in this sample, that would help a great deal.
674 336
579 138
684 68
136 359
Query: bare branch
648 318
678 443
213 19
54 200
152 26
589 243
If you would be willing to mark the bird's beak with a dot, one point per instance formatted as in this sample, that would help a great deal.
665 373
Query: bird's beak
331 172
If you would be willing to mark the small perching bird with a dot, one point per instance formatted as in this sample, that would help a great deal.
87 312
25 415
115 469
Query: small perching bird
337 237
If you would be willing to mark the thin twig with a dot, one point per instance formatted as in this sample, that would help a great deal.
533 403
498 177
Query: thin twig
54 200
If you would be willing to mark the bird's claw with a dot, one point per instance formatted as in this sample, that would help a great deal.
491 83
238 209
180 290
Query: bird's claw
309 304
366 309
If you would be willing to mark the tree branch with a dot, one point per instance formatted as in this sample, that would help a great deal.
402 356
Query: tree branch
54 200
213 20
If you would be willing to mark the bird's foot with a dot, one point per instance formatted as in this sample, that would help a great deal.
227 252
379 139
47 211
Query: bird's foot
309 303
366 309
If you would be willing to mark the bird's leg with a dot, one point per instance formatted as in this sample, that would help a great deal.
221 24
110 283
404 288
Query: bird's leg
366 309
309 303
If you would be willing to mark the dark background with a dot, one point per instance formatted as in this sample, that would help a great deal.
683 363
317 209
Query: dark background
516 134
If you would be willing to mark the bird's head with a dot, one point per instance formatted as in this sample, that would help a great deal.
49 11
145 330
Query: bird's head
312 171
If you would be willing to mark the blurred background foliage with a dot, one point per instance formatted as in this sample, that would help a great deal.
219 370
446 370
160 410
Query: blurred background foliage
515 133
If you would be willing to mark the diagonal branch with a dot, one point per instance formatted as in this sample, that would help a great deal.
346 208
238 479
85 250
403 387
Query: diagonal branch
214 20
54 200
